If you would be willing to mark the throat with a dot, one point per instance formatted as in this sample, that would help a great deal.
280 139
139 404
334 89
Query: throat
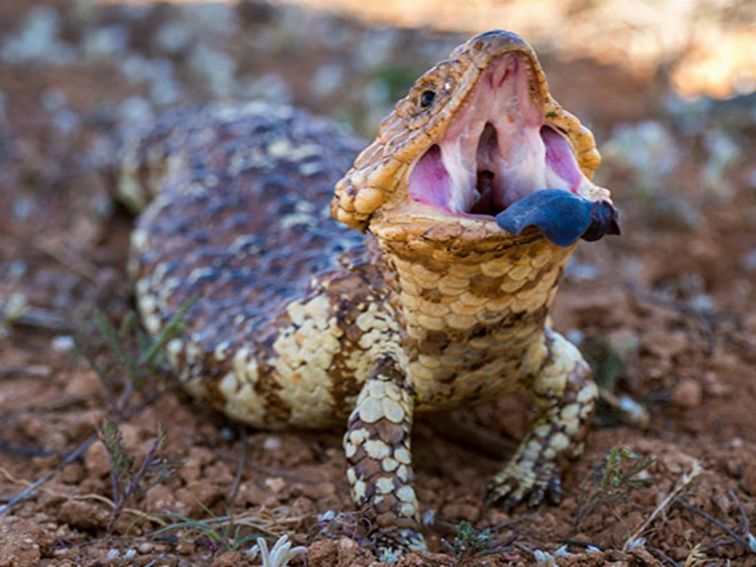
472 297
471 324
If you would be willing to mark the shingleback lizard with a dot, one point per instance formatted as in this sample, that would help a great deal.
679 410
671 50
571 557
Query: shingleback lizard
302 322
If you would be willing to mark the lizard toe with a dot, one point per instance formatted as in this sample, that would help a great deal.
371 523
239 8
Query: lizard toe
390 546
517 484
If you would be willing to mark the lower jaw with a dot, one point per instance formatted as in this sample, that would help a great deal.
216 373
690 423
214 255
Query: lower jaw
449 239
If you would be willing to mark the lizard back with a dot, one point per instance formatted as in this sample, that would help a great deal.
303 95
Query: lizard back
236 220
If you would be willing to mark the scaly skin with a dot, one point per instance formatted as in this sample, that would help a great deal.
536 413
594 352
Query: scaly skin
301 322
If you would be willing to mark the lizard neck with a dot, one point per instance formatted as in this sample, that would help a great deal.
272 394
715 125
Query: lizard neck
471 309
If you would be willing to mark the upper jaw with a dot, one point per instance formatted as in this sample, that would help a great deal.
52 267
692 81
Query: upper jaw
496 149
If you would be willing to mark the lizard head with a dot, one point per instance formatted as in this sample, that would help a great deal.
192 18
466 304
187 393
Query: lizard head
477 133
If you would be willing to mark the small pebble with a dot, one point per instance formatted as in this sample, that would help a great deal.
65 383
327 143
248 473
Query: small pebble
272 443
687 394
275 485
63 344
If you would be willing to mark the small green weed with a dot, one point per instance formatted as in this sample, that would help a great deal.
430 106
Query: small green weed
126 478
622 471
129 351
470 541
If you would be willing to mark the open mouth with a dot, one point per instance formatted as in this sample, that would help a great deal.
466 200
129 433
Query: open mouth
497 150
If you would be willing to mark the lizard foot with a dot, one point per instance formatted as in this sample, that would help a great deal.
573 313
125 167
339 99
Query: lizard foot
390 546
521 481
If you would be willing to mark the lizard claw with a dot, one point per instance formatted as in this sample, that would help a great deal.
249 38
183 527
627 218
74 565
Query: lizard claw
518 483
390 546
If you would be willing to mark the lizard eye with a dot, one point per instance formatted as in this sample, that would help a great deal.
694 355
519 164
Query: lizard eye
427 98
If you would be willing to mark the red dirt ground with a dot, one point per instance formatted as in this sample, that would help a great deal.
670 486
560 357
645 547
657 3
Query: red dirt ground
666 313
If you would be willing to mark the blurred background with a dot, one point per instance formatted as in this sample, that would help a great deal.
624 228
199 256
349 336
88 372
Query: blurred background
666 313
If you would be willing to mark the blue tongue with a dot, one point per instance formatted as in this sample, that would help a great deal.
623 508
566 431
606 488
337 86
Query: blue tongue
562 216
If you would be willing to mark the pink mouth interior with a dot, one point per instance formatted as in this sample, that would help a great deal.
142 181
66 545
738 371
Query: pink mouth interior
497 150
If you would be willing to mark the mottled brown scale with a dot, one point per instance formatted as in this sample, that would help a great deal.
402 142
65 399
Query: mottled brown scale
298 321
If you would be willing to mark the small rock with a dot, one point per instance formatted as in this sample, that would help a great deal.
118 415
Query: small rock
345 543
253 496
72 474
303 507
202 491
84 385
228 559
63 344
665 344
96 461
272 443
715 387
161 498
276 484
83 515
322 553
185 547
23 542
461 511
749 479
320 490
687 394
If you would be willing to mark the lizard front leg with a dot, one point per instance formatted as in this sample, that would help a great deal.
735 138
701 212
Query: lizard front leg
378 451
565 395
